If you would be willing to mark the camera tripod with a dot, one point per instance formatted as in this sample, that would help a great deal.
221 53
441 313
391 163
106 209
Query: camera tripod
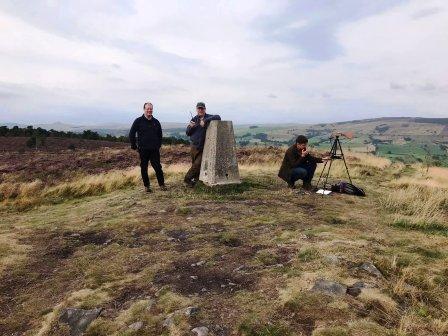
336 153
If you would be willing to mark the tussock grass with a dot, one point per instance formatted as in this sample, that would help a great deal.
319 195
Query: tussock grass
29 194
434 177
368 160
418 206
419 199
25 195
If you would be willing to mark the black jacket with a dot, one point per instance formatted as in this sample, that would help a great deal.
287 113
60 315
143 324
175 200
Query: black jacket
149 133
197 132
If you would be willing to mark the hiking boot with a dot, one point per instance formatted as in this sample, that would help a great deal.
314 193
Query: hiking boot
148 189
163 187
189 184
307 186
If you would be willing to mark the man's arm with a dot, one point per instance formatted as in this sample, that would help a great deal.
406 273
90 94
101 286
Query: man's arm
316 159
191 128
132 133
296 160
212 117
160 133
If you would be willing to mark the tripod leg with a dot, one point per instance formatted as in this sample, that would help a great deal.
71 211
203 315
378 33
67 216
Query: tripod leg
332 154
321 173
345 163
328 174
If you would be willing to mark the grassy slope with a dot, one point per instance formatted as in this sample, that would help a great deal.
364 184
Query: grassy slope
263 247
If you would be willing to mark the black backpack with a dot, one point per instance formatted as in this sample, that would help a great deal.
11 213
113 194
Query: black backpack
347 188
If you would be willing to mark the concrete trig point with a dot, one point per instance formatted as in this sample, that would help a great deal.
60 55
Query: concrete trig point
219 164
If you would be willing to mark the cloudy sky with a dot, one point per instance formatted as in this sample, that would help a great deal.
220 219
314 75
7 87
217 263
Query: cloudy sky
251 61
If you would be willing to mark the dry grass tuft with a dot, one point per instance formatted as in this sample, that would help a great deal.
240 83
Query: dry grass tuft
418 205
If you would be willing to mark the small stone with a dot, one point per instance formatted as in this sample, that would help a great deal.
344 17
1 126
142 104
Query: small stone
329 287
151 303
353 291
200 263
136 326
191 311
169 321
194 277
204 289
371 269
79 319
200 331
332 259
171 239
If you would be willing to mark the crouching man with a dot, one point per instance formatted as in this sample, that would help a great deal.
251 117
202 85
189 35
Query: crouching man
196 131
299 164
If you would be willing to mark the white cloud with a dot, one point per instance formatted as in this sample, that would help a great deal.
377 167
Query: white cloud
90 56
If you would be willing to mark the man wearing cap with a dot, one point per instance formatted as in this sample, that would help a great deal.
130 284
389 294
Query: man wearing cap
148 142
196 131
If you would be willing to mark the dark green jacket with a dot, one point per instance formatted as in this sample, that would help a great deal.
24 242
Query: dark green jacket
292 160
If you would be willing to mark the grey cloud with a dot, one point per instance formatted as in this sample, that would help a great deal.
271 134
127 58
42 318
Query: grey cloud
316 40
62 17
428 87
413 87
145 53
396 86
426 12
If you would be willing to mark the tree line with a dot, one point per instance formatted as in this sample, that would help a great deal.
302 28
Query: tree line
38 135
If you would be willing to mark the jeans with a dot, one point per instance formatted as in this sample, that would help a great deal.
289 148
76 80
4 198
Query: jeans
304 172
153 156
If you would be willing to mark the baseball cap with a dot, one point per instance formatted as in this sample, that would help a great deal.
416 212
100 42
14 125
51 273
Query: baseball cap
200 104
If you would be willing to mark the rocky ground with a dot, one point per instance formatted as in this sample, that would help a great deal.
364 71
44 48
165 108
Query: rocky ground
254 259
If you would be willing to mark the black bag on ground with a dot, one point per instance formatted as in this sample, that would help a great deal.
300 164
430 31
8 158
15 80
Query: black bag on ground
347 188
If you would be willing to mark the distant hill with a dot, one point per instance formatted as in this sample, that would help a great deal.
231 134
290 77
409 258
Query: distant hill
402 139
405 139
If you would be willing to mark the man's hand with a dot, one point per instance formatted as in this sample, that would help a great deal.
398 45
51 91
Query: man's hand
304 153
326 158
202 123
191 124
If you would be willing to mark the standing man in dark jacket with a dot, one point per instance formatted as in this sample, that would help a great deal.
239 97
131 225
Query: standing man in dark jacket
196 131
298 163
148 142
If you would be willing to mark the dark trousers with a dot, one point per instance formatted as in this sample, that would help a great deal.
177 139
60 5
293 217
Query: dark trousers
153 156
194 171
304 172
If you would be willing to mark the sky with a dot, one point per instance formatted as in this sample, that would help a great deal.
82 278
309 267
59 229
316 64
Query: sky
252 61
